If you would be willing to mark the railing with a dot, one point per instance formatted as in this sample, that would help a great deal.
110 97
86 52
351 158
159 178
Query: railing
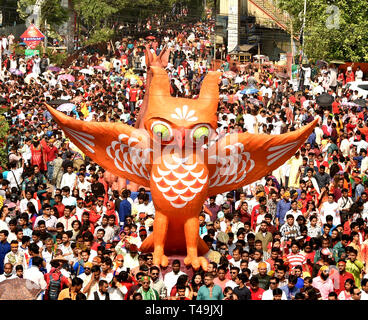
281 18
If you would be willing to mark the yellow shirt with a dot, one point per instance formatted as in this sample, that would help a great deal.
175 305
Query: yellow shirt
67 293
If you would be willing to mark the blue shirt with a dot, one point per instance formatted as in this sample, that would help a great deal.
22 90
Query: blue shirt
281 209
290 292
125 209
300 283
75 268
4 249
204 293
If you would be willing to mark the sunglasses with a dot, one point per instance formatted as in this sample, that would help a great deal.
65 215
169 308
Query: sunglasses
155 274
149 258
273 282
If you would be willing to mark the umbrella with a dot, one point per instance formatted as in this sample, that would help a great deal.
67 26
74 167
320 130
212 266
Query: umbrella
66 76
337 62
17 72
66 107
255 101
325 100
249 91
29 77
321 63
87 71
229 74
282 75
19 289
361 102
150 38
100 68
58 102
349 104
54 69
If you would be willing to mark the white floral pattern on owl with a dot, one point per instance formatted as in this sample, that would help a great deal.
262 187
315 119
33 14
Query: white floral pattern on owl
184 114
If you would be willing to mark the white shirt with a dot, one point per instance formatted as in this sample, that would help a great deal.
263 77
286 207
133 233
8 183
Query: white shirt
232 284
17 175
23 204
3 278
35 275
249 122
86 186
92 295
50 222
68 180
330 209
69 201
268 295
364 295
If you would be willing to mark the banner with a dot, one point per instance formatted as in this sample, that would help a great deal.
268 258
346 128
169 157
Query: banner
32 36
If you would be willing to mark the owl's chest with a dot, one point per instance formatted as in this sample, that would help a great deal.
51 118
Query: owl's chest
179 181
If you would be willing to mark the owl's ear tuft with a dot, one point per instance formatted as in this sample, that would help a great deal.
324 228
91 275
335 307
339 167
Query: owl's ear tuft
210 87
160 84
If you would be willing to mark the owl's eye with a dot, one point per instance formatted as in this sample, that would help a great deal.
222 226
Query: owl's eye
162 131
200 133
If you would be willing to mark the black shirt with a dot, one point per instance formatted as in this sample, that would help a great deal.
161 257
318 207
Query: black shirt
98 189
243 294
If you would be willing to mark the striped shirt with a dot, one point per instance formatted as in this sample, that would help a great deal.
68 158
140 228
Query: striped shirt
296 259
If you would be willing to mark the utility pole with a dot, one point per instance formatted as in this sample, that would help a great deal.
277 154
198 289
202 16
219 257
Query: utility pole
291 42
45 40
305 12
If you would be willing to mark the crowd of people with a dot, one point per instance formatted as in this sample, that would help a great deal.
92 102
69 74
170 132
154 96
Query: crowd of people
300 233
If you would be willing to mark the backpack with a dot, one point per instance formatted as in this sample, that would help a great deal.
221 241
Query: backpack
54 287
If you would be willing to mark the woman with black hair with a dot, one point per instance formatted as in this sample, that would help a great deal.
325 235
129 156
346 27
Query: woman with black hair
196 283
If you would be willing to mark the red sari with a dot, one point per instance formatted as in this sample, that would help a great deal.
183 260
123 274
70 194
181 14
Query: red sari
36 158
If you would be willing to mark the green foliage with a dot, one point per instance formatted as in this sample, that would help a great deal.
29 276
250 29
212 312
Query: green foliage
4 129
51 11
104 34
349 41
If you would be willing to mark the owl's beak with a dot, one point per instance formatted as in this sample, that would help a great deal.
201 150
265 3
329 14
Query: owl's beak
180 136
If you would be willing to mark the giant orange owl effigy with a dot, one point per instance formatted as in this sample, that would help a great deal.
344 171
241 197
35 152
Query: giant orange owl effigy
177 154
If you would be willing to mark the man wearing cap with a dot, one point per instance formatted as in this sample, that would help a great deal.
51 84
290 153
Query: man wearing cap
282 207
146 291
131 257
323 283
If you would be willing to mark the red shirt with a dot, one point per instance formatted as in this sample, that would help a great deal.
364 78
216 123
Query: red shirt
342 279
257 295
60 208
50 152
336 107
133 94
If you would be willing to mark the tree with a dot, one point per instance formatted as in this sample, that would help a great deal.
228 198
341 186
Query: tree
4 130
334 29
51 11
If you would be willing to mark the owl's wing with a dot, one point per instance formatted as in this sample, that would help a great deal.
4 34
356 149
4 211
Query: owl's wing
118 148
237 160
